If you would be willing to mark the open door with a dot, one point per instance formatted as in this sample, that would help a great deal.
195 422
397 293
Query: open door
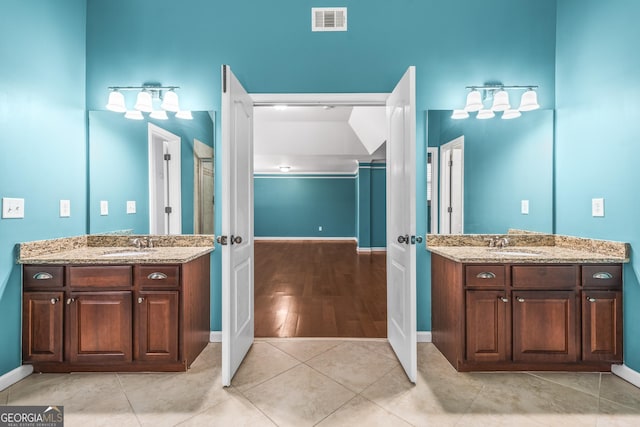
401 219
236 239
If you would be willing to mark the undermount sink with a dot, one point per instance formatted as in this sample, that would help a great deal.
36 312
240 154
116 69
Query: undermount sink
515 253
127 253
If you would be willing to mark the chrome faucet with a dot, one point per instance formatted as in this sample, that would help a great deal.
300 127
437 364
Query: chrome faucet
498 242
142 242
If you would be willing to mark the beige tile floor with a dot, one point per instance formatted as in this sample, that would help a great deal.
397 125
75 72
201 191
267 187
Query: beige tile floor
332 383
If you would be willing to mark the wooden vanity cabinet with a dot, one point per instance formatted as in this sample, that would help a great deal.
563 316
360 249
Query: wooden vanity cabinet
527 316
115 317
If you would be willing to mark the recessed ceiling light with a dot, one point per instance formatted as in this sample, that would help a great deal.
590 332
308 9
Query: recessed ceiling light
284 168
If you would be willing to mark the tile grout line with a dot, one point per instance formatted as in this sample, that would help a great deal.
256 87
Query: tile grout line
126 396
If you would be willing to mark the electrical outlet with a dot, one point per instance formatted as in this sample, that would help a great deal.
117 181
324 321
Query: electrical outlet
104 207
65 208
597 207
319 228
131 206
524 207
12 208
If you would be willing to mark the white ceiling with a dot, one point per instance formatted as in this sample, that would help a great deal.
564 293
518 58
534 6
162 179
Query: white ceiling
317 139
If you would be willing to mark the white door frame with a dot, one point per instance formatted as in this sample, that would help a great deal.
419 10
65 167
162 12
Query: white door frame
445 183
156 138
435 196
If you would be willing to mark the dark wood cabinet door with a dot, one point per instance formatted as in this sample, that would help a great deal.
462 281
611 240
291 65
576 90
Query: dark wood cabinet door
602 325
100 328
157 326
487 323
544 326
42 326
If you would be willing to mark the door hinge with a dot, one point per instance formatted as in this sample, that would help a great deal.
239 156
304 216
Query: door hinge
167 210
449 209
167 156
224 79
450 163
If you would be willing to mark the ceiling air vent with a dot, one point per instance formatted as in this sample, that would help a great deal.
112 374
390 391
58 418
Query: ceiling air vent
328 19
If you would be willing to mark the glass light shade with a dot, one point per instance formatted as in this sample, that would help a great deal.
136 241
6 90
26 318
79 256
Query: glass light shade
485 114
529 101
134 115
501 101
116 102
159 115
144 102
184 114
284 168
511 114
459 114
474 101
170 102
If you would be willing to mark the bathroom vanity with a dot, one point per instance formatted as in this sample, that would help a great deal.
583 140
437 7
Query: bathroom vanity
113 308
527 308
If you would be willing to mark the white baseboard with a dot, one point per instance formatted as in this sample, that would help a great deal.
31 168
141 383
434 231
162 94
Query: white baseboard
15 375
307 238
369 250
215 336
627 374
424 336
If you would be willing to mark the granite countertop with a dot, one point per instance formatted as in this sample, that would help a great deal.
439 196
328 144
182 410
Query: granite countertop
516 255
529 248
115 250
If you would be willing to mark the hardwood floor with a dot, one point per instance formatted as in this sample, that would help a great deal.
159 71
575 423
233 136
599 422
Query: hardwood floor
319 289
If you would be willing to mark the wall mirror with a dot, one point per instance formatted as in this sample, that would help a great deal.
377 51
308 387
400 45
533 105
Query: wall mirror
151 176
489 176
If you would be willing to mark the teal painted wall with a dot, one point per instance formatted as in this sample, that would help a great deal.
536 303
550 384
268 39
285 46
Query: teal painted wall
119 168
42 123
297 206
371 210
597 148
505 161
274 50
363 206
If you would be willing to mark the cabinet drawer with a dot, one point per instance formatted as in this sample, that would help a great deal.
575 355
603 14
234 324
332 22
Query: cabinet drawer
545 276
485 275
602 276
112 276
157 276
38 276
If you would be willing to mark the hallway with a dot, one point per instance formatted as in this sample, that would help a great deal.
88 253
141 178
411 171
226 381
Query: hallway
319 289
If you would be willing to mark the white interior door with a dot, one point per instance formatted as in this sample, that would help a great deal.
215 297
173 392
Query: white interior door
401 215
165 188
236 238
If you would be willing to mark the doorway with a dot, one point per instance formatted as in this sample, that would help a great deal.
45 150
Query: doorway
165 189
451 187
320 265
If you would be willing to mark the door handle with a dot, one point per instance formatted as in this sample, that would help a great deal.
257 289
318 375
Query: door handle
520 299
236 239
156 275
591 299
70 300
222 240
503 299
43 276
54 300
140 300
403 239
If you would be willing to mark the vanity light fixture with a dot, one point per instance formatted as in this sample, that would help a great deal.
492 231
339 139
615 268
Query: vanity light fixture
147 94
116 101
159 115
134 115
499 94
460 114
284 168
184 114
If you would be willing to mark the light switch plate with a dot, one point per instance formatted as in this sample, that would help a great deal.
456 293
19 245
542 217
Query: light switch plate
524 207
131 206
65 208
104 207
597 207
12 208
